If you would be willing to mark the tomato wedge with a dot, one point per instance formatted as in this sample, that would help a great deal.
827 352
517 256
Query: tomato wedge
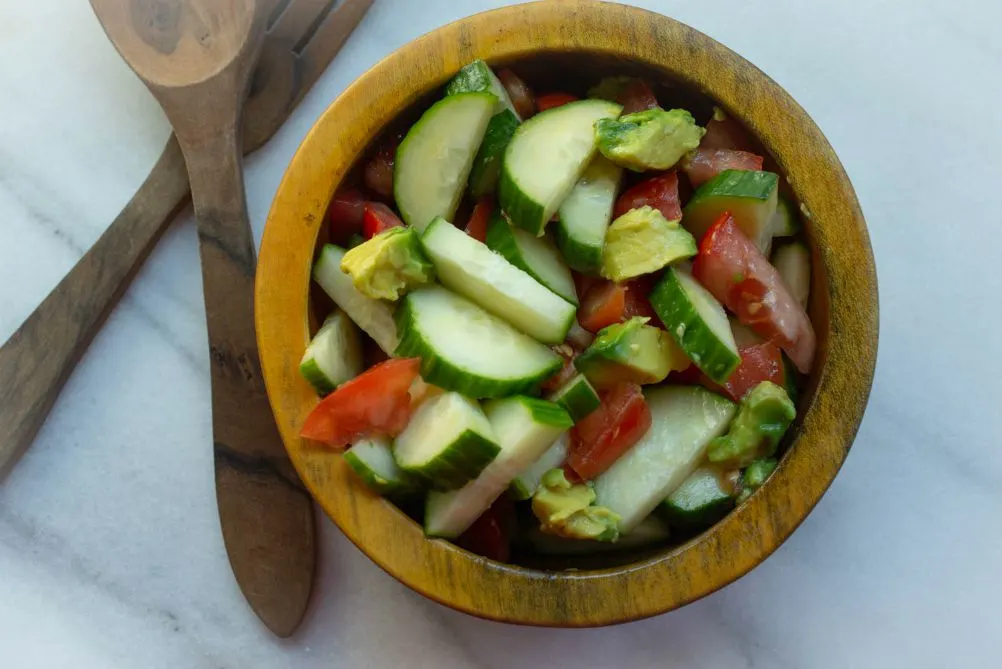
481 216
552 100
736 273
378 174
660 192
375 403
378 218
520 94
704 164
602 436
759 362
726 133
636 97
603 305
345 214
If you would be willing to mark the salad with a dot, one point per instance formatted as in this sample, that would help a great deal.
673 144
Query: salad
572 323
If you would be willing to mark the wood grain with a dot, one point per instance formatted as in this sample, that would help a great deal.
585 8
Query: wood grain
39 357
593 37
199 78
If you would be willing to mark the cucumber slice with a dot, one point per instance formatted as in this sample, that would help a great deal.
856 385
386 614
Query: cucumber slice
468 267
487 163
464 348
478 77
375 317
372 460
335 354
585 215
526 428
447 442
577 397
697 322
535 256
749 196
685 420
546 157
785 222
651 530
525 484
699 502
793 262
436 156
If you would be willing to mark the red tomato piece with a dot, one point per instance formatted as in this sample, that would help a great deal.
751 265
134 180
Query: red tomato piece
520 94
583 282
552 100
375 403
378 218
601 437
704 164
759 362
636 97
660 192
345 214
637 303
481 216
726 133
603 305
736 273
488 535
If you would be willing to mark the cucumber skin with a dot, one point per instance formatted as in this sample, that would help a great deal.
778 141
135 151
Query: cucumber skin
676 513
700 212
457 465
486 169
310 371
585 258
439 372
524 212
501 240
546 412
671 307
380 485
577 397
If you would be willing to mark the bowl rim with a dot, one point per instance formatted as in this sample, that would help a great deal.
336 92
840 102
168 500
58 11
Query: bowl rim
677 576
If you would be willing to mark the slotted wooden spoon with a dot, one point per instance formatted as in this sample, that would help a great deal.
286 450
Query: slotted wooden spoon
197 57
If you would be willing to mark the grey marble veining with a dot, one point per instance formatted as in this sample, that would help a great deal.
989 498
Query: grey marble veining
110 553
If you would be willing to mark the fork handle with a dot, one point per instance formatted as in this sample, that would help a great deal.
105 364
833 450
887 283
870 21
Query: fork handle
38 358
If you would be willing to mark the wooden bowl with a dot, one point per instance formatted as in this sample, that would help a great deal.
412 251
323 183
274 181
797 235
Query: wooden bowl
561 38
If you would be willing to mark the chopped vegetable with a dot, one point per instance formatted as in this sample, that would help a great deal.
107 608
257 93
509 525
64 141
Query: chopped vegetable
750 197
388 265
660 192
345 213
605 434
378 218
793 262
585 215
568 509
335 354
480 218
552 100
642 241
373 404
763 417
701 500
654 139
737 274
519 93
630 352
703 164
379 171
637 97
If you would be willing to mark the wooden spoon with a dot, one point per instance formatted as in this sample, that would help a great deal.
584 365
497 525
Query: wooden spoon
302 39
196 57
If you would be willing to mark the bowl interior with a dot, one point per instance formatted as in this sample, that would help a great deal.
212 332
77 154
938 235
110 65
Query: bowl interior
569 46
575 72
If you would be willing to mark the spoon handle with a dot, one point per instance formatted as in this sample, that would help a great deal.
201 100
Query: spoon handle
38 358
265 512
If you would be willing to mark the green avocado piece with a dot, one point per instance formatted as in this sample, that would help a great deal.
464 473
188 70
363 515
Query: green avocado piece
755 475
630 352
568 510
388 265
642 241
610 88
763 417
653 139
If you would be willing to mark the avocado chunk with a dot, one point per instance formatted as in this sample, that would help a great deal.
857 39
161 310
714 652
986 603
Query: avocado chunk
388 265
630 352
755 475
568 510
702 499
763 417
642 241
610 88
653 139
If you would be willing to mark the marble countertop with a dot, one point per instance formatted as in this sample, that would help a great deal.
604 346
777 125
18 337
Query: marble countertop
110 552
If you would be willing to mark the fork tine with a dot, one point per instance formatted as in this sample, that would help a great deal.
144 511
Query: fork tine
295 26
329 37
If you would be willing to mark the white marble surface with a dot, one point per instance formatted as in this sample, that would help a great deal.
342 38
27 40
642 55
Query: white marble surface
110 554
